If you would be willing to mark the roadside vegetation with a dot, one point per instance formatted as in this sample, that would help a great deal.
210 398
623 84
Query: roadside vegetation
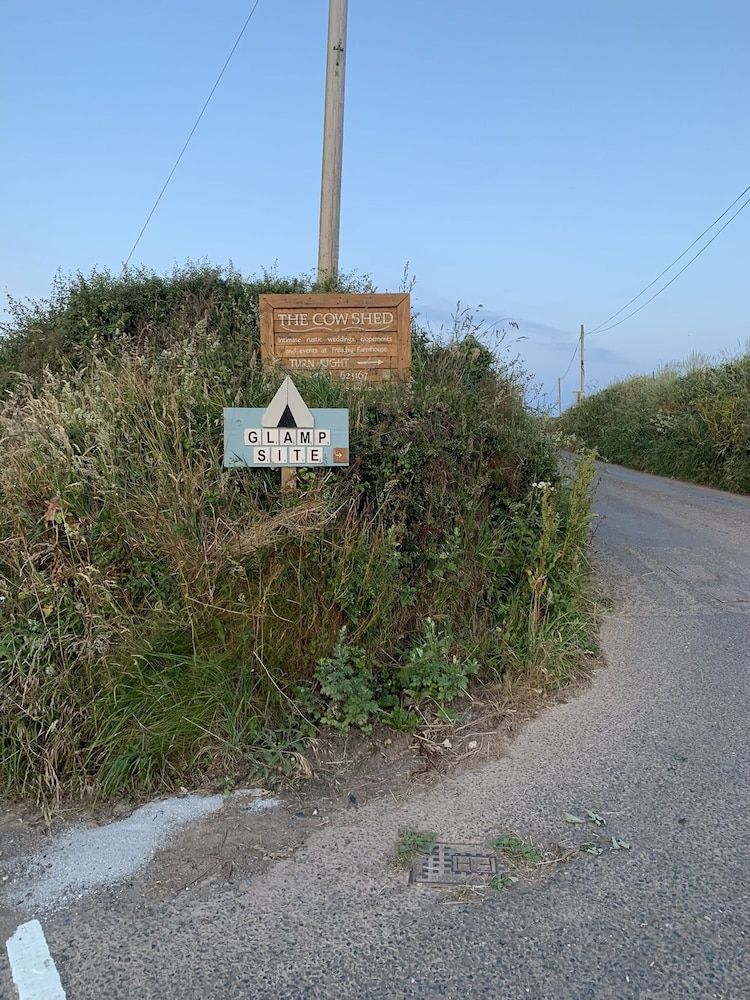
164 621
411 844
690 421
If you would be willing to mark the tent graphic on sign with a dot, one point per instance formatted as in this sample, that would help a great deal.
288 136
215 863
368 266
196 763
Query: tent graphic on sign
288 408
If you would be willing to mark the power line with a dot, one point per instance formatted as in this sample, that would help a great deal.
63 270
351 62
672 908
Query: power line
599 328
603 329
191 133
572 359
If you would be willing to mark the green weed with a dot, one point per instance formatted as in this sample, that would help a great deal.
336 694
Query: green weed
502 881
516 848
431 671
347 684
400 718
411 844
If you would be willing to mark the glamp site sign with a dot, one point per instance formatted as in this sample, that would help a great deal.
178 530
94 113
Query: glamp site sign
287 434
357 338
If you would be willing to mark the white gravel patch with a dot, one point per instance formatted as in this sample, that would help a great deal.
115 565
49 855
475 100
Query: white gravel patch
84 859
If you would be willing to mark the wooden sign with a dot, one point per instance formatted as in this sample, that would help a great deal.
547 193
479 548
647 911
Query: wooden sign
358 338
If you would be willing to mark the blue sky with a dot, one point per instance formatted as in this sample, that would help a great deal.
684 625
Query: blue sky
545 160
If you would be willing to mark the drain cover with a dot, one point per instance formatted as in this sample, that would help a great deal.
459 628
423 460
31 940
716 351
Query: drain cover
454 864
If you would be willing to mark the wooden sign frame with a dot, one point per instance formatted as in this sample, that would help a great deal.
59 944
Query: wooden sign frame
358 338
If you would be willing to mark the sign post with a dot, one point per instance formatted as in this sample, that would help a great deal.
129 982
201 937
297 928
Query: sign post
355 338
288 480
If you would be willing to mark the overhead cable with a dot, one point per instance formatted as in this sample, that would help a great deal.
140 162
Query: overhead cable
603 329
196 123
603 324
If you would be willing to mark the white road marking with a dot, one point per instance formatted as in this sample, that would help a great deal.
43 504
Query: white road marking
31 964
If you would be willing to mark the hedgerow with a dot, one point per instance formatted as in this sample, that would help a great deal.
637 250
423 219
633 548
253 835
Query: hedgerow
692 424
164 620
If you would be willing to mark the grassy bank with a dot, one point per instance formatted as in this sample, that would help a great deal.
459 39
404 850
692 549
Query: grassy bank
691 424
163 619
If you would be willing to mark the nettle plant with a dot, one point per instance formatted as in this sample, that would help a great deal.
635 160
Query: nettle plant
347 684
354 696
431 672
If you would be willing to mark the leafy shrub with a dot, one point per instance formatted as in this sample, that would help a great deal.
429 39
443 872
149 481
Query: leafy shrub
347 684
430 671
147 310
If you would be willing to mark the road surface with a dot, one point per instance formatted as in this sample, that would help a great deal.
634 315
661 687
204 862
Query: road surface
658 744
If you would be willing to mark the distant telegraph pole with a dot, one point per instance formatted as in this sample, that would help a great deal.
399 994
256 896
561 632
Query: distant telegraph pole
559 397
333 142
583 366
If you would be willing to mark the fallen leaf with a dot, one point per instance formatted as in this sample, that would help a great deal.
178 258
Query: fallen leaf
570 818
594 849
50 514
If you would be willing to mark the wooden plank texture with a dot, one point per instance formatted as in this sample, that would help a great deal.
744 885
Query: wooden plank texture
362 338
312 320
339 364
366 375
337 351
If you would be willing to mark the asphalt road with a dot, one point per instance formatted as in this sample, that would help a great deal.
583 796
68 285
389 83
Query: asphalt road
658 744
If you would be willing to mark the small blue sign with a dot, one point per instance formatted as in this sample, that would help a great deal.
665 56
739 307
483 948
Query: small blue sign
247 442
286 434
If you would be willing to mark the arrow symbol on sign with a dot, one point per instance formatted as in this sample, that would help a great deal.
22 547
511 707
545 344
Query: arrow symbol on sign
375 362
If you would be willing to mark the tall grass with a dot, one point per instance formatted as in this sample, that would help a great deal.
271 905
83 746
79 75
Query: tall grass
691 422
163 619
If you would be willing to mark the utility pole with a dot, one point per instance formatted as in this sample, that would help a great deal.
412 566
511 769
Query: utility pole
583 366
559 397
333 142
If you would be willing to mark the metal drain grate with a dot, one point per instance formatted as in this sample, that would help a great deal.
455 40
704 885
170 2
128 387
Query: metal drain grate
454 864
